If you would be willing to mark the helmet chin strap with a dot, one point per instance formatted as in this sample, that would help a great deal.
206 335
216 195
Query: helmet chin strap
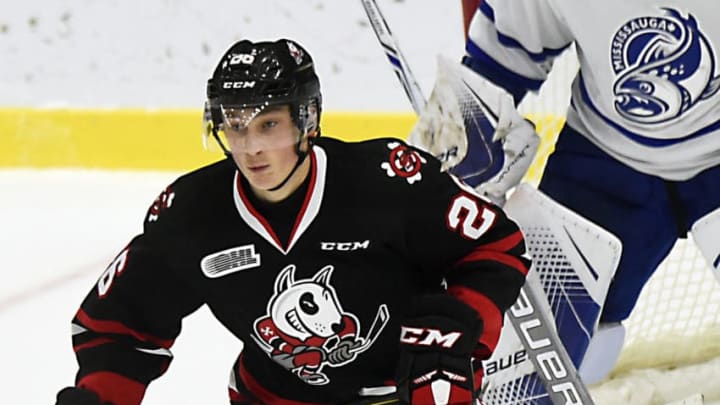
301 158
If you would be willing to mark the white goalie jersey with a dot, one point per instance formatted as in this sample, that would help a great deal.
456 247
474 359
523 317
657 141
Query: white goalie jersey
647 89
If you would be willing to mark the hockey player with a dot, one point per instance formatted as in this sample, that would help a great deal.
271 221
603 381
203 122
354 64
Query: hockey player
351 271
640 152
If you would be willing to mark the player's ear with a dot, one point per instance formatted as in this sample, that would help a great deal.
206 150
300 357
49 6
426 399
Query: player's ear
312 124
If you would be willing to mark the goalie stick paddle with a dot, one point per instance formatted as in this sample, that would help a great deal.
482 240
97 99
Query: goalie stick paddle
571 390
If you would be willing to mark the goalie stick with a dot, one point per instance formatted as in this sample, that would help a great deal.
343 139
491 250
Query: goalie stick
475 157
570 389
395 57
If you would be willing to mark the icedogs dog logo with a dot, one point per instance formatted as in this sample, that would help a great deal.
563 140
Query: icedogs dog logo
305 327
664 66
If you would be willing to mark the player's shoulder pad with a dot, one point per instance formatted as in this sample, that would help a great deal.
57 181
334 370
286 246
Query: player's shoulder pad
387 158
189 193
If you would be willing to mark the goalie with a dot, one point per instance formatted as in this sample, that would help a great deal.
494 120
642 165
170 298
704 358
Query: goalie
639 154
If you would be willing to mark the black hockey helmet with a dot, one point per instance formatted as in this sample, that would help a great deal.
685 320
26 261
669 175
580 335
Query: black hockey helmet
263 74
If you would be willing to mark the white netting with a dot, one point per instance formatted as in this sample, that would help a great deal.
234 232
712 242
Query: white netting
677 318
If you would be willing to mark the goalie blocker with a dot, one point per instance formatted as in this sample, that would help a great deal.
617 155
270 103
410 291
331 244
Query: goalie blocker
473 128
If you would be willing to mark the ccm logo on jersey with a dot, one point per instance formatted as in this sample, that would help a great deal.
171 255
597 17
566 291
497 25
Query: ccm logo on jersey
344 246
428 337
230 261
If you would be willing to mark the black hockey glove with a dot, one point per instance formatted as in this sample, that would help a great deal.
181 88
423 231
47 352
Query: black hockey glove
436 343
78 396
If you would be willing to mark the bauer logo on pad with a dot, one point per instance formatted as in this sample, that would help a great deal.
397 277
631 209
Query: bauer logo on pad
230 261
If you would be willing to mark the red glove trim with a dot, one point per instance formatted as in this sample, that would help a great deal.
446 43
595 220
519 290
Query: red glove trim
487 310
114 388
479 374
457 396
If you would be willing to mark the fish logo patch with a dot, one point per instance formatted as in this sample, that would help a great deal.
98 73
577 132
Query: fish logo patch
664 66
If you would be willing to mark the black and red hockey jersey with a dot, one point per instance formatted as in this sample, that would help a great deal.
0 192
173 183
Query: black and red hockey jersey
376 223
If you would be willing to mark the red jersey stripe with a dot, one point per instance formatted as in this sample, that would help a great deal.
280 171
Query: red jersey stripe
263 394
506 243
99 326
92 343
500 257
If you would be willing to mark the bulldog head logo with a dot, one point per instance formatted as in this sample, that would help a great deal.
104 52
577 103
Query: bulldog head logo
306 328
306 308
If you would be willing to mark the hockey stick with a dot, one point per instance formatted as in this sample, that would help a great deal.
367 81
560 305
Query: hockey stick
545 349
381 318
562 389
473 155
395 57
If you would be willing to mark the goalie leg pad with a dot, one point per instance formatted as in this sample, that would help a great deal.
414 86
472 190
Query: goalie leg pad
574 260
573 263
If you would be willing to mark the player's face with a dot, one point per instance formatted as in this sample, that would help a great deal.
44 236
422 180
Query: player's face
263 146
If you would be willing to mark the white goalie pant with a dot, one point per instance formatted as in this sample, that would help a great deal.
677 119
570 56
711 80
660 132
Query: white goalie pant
706 234
602 352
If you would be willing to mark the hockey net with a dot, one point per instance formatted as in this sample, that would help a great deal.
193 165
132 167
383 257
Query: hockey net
672 346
